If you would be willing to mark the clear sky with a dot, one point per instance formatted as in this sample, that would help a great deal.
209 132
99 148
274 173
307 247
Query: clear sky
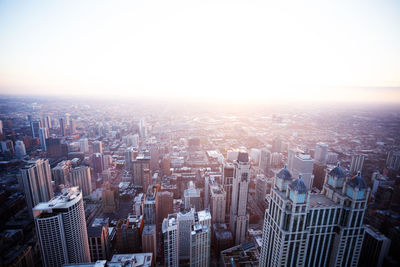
217 50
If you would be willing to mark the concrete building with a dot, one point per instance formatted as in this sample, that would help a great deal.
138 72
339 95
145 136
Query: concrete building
149 240
165 201
35 180
239 218
321 153
109 198
97 147
80 176
218 204
357 163
375 248
200 242
265 160
60 173
20 151
263 187
43 135
329 226
192 197
150 208
84 145
99 241
61 229
227 182
302 164
170 239
393 160
140 165
138 204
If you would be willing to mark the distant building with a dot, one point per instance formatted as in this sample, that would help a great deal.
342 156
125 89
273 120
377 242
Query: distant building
150 206
192 197
241 255
99 241
35 126
20 150
332 158
80 176
140 164
97 147
321 153
109 198
218 204
222 238
263 187
302 164
43 135
357 163
165 205
60 173
138 204
84 145
277 145
393 160
170 238
265 160
227 182
61 229
97 162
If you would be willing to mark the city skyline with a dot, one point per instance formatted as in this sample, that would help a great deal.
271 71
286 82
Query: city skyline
211 51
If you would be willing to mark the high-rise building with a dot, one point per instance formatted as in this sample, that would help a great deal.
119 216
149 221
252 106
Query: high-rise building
263 187
138 205
239 218
301 164
84 145
60 172
276 160
357 163
129 157
62 127
332 158
35 126
149 240
150 208
47 122
277 145
99 241
165 205
109 198
321 153
128 234
170 237
375 248
393 160
61 229
200 240
35 179
20 150
227 182
1 127
43 135
80 176
97 147
305 229
192 197
140 164
218 204
97 162
265 160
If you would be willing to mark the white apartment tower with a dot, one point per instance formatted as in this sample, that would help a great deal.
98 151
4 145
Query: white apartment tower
61 229
302 164
239 217
35 179
305 229
200 239
170 237
80 176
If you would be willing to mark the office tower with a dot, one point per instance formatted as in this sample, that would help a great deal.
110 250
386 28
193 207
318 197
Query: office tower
185 220
239 218
277 145
109 198
61 229
227 182
305 229
80 176
165 205
129 157
150 208
47 122
147 179
35 126
56 148
357 162
375 248
154 155
165 165
1 127
231 155
84 145
255 155
301 164
62 127
319 172
170 237
263 187
265 160
222 238
43 135
149 240
332 158
218 204
321 153
393 160
20 150
140 164
99 241
35 179
192 197
200 239
60 172
97 161
276 160
128 234
97 147
72 126
67 118
138 205
7 147
134 140
142 128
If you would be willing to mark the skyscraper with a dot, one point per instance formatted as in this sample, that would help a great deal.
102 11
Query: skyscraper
227 181
239 218
20 150
35 178
321 153
43 135
301 164
62 127
97 147
84 145
61 229
141 164
60 172
265 160
35 126
149 240
305 229
170 237
357 163
80 176
200 239
218 204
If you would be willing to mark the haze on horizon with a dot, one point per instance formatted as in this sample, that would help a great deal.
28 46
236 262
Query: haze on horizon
212 50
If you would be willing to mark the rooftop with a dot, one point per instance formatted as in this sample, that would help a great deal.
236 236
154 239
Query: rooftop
320 201
68 197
